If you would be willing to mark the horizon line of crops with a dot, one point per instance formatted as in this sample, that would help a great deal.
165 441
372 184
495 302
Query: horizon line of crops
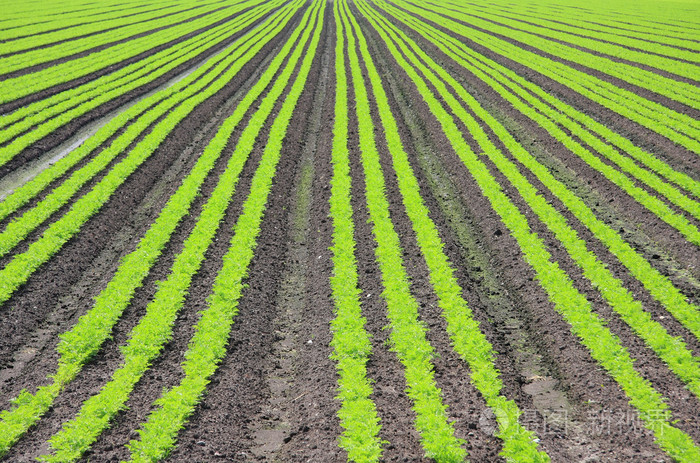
658 285
671 350
674 89
14 88
467 338
637 31
567 116
29 124
597 86
18 270
96 35
154 330
208 345
10 34
82 341
46 11
673 125
407 335
670 48
350 340
679 63
35 57
635 20
604 346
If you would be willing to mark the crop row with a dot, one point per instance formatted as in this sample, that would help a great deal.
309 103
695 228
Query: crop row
573 307
206 80
55 28
148 338
464 331
17 87
549 112
80 343
681 62
36 56
655 21
678 127
32 122
556 115
671 350
676 48
31 13
540 103
674 89
208 346
657 284
31 51
351 342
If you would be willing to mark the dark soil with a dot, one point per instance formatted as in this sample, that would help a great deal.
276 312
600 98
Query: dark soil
273 396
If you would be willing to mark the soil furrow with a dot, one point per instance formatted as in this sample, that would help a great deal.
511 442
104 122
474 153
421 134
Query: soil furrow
30 305
550 333
94 375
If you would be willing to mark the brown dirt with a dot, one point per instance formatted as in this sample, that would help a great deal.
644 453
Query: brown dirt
272 398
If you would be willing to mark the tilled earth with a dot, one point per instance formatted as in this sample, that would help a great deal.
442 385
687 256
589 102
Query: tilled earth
273 396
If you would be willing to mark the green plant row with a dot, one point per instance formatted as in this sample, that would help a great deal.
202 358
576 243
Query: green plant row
674 89
647 53
575 121
671 88
563 114
39 12
677 127
351 343
208 345
631 22
34 121
17 87
68 35
80 343
659 286
154 330
38 56
671 350
23 265
20 29
604 346
151 111
675 48
18 229
468 340
408 334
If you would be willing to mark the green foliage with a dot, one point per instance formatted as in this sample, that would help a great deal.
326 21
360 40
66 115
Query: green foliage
604 346
678 127
79 344
468 340
408 335
17 87
30 123
208 346
351 342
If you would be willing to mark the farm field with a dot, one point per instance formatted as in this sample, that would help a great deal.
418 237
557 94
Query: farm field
350 230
